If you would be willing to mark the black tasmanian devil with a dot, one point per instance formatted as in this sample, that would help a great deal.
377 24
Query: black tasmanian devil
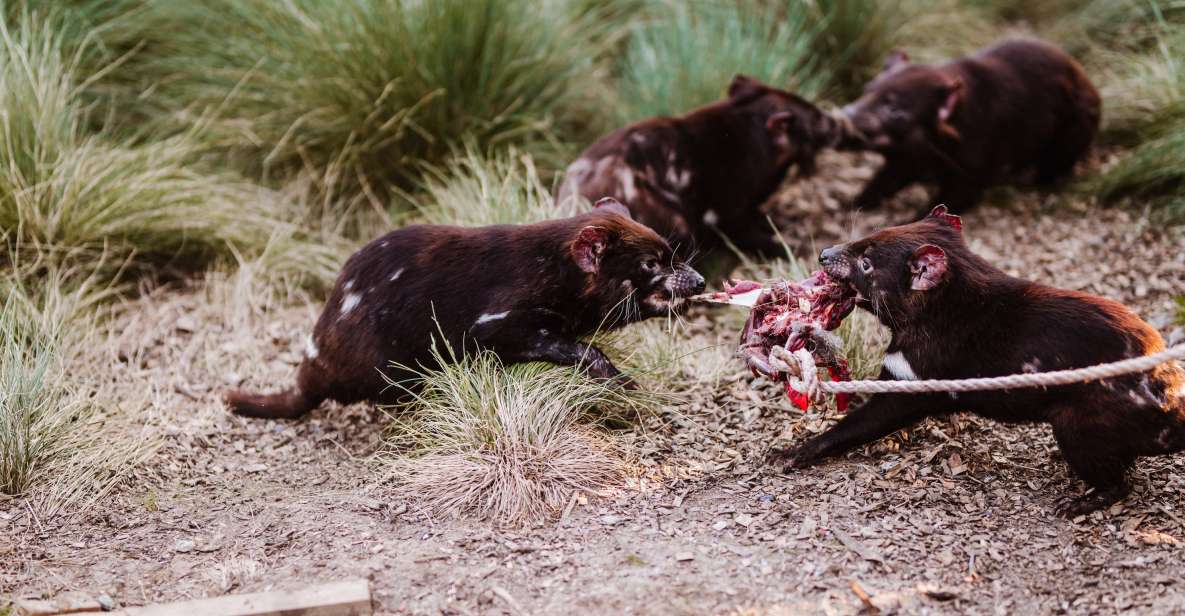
707 172
1021 111
526 292
953 315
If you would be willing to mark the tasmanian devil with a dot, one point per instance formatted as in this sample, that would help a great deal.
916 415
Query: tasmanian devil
953 315
1021 111
708 172
525 292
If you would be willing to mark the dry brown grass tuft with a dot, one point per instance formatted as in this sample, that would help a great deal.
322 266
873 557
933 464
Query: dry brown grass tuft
512 444
63 442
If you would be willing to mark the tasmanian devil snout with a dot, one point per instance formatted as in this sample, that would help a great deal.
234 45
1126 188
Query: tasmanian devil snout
525 292
1021 111
953 315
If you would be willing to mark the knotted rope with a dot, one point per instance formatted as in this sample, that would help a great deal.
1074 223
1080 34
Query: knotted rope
804 376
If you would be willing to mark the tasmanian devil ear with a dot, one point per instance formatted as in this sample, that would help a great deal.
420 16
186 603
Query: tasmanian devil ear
954 95
609 204
940 212
743 86
896 61
781 122
588 248
927 266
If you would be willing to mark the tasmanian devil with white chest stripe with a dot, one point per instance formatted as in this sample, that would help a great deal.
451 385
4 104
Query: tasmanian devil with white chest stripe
953 315
525 292
709 171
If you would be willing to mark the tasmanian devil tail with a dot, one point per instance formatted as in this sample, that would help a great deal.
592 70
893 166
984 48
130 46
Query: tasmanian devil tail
288 404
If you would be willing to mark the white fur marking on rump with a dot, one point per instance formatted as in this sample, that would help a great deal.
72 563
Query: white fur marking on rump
899 367
310 348
487 317
349 284
349 302
397 274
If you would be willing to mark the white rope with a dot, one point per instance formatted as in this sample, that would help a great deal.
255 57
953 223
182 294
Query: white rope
813 388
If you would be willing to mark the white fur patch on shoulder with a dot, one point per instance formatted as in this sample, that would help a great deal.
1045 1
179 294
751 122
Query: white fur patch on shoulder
487 317
310 348
625 176
899 367
349 302
349 284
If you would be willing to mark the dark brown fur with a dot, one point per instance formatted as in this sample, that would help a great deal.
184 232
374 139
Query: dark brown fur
1021 111
526 292
953 315
708 172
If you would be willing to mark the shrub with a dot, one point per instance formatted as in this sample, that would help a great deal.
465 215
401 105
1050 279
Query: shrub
685 56
366 91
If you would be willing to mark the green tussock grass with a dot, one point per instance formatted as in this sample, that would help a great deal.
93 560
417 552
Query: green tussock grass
509 443
685 56
361 93
473 189
59 447
854 37
1145 98
68 192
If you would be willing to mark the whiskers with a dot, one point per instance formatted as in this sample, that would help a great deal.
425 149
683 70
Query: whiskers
626 310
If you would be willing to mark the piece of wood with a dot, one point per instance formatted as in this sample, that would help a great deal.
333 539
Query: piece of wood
348 598
65 603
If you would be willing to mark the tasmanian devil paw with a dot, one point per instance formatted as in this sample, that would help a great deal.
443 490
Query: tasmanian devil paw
790 458
1073 506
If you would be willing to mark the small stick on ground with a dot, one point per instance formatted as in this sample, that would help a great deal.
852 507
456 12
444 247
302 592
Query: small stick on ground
864 597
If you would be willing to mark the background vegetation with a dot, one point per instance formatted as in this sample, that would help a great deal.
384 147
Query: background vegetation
153 139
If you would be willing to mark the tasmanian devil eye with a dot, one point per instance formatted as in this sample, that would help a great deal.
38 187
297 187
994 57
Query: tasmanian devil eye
865 265
650 265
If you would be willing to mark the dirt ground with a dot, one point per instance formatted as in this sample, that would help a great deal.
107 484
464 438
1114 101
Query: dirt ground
953 517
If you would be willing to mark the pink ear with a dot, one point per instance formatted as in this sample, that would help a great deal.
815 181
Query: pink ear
928 267
609 204
896 61
939 211
953 96
588 247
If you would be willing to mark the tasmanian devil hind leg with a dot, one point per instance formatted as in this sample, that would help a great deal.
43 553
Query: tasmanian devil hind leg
1097 458
881 416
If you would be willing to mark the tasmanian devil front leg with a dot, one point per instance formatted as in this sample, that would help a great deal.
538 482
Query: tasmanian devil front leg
880 416
546 345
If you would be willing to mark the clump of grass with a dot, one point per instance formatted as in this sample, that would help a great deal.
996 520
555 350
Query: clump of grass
941 30
508 443
58 446
1148 112
855 36
369 90
66 191
687 53
501 188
